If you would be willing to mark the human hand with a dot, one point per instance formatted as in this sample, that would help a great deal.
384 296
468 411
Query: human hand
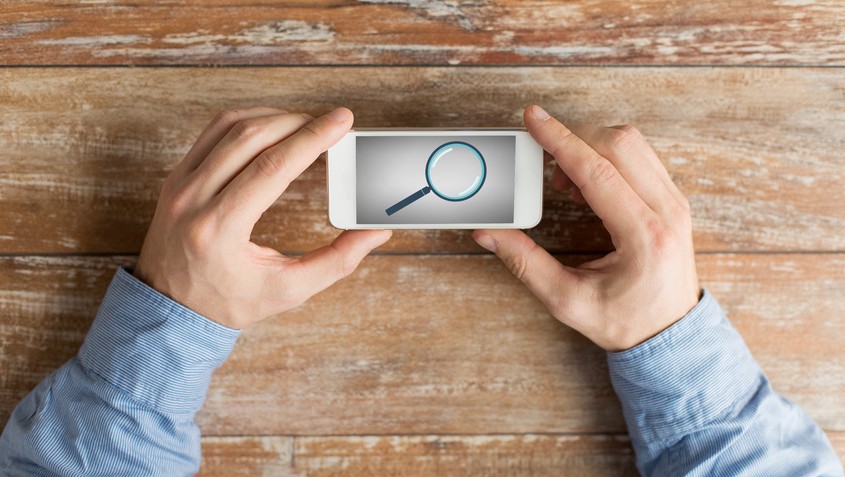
198 249
649 281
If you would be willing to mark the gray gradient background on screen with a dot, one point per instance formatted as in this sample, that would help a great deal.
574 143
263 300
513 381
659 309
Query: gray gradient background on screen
390 168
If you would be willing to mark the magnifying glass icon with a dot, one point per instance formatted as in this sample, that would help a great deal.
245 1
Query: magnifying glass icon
455 171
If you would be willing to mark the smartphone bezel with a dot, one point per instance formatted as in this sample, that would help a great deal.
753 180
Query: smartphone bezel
528 179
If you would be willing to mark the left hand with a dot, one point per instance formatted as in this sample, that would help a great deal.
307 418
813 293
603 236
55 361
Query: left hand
198 249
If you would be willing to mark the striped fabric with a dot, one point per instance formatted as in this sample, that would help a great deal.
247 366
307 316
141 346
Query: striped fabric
695 401
125 405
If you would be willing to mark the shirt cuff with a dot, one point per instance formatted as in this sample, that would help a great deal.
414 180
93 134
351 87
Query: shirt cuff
694 372
154 349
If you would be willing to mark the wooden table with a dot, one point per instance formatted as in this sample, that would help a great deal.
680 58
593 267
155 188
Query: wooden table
430 359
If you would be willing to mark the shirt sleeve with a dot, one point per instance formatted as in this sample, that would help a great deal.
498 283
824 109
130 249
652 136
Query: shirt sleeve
696 403
125 404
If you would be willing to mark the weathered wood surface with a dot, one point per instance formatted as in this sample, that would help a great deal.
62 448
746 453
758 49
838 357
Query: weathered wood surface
493 386
758 151
153 32
365 456
436 345
574 455
247 456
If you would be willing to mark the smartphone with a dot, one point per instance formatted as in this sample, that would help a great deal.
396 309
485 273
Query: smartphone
435 179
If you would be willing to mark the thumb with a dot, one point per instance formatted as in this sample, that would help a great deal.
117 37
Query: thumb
320 268
542 274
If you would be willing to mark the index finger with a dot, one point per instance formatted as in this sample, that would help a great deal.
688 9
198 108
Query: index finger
622 211
258 186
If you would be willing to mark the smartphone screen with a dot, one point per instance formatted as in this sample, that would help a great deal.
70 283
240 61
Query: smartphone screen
435 179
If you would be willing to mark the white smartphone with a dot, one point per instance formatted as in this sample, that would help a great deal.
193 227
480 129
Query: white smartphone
435 179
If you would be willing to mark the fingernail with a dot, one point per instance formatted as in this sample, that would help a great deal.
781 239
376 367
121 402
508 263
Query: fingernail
539 113
486 241
339 115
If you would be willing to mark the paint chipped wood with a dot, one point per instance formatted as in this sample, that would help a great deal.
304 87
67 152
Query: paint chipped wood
436 345
578 455
759 154
430 32
757 150
247 456
411 456
552 455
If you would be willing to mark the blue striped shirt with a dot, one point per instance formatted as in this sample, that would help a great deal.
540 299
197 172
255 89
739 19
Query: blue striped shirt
695 401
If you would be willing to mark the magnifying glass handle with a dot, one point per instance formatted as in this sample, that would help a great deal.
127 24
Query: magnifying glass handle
407 201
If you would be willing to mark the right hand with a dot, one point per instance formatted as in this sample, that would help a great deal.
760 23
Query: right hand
649 281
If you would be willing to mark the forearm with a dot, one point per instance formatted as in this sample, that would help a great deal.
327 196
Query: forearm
126 403
695 401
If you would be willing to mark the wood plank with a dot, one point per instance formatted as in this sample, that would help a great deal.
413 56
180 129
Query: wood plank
552 455
47 305
600 455
248 456
580 455
377 355
759 155
154 32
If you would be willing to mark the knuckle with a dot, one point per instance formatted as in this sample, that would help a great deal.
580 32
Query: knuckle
657 237
518 265
603 173
177 204
311 133
345 263
631 129
347 266
563 139
273 160
201 233
247 129
226 117
518 262
621 140
168 186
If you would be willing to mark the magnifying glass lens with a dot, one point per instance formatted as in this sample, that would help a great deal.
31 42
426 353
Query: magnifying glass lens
455 171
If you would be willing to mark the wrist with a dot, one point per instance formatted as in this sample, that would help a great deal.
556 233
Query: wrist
674 314
700 356
152 348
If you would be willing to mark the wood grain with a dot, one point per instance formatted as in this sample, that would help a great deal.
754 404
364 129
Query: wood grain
579 455
436 345
759 155
423 32
247 456
353 456
423 364
47 306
